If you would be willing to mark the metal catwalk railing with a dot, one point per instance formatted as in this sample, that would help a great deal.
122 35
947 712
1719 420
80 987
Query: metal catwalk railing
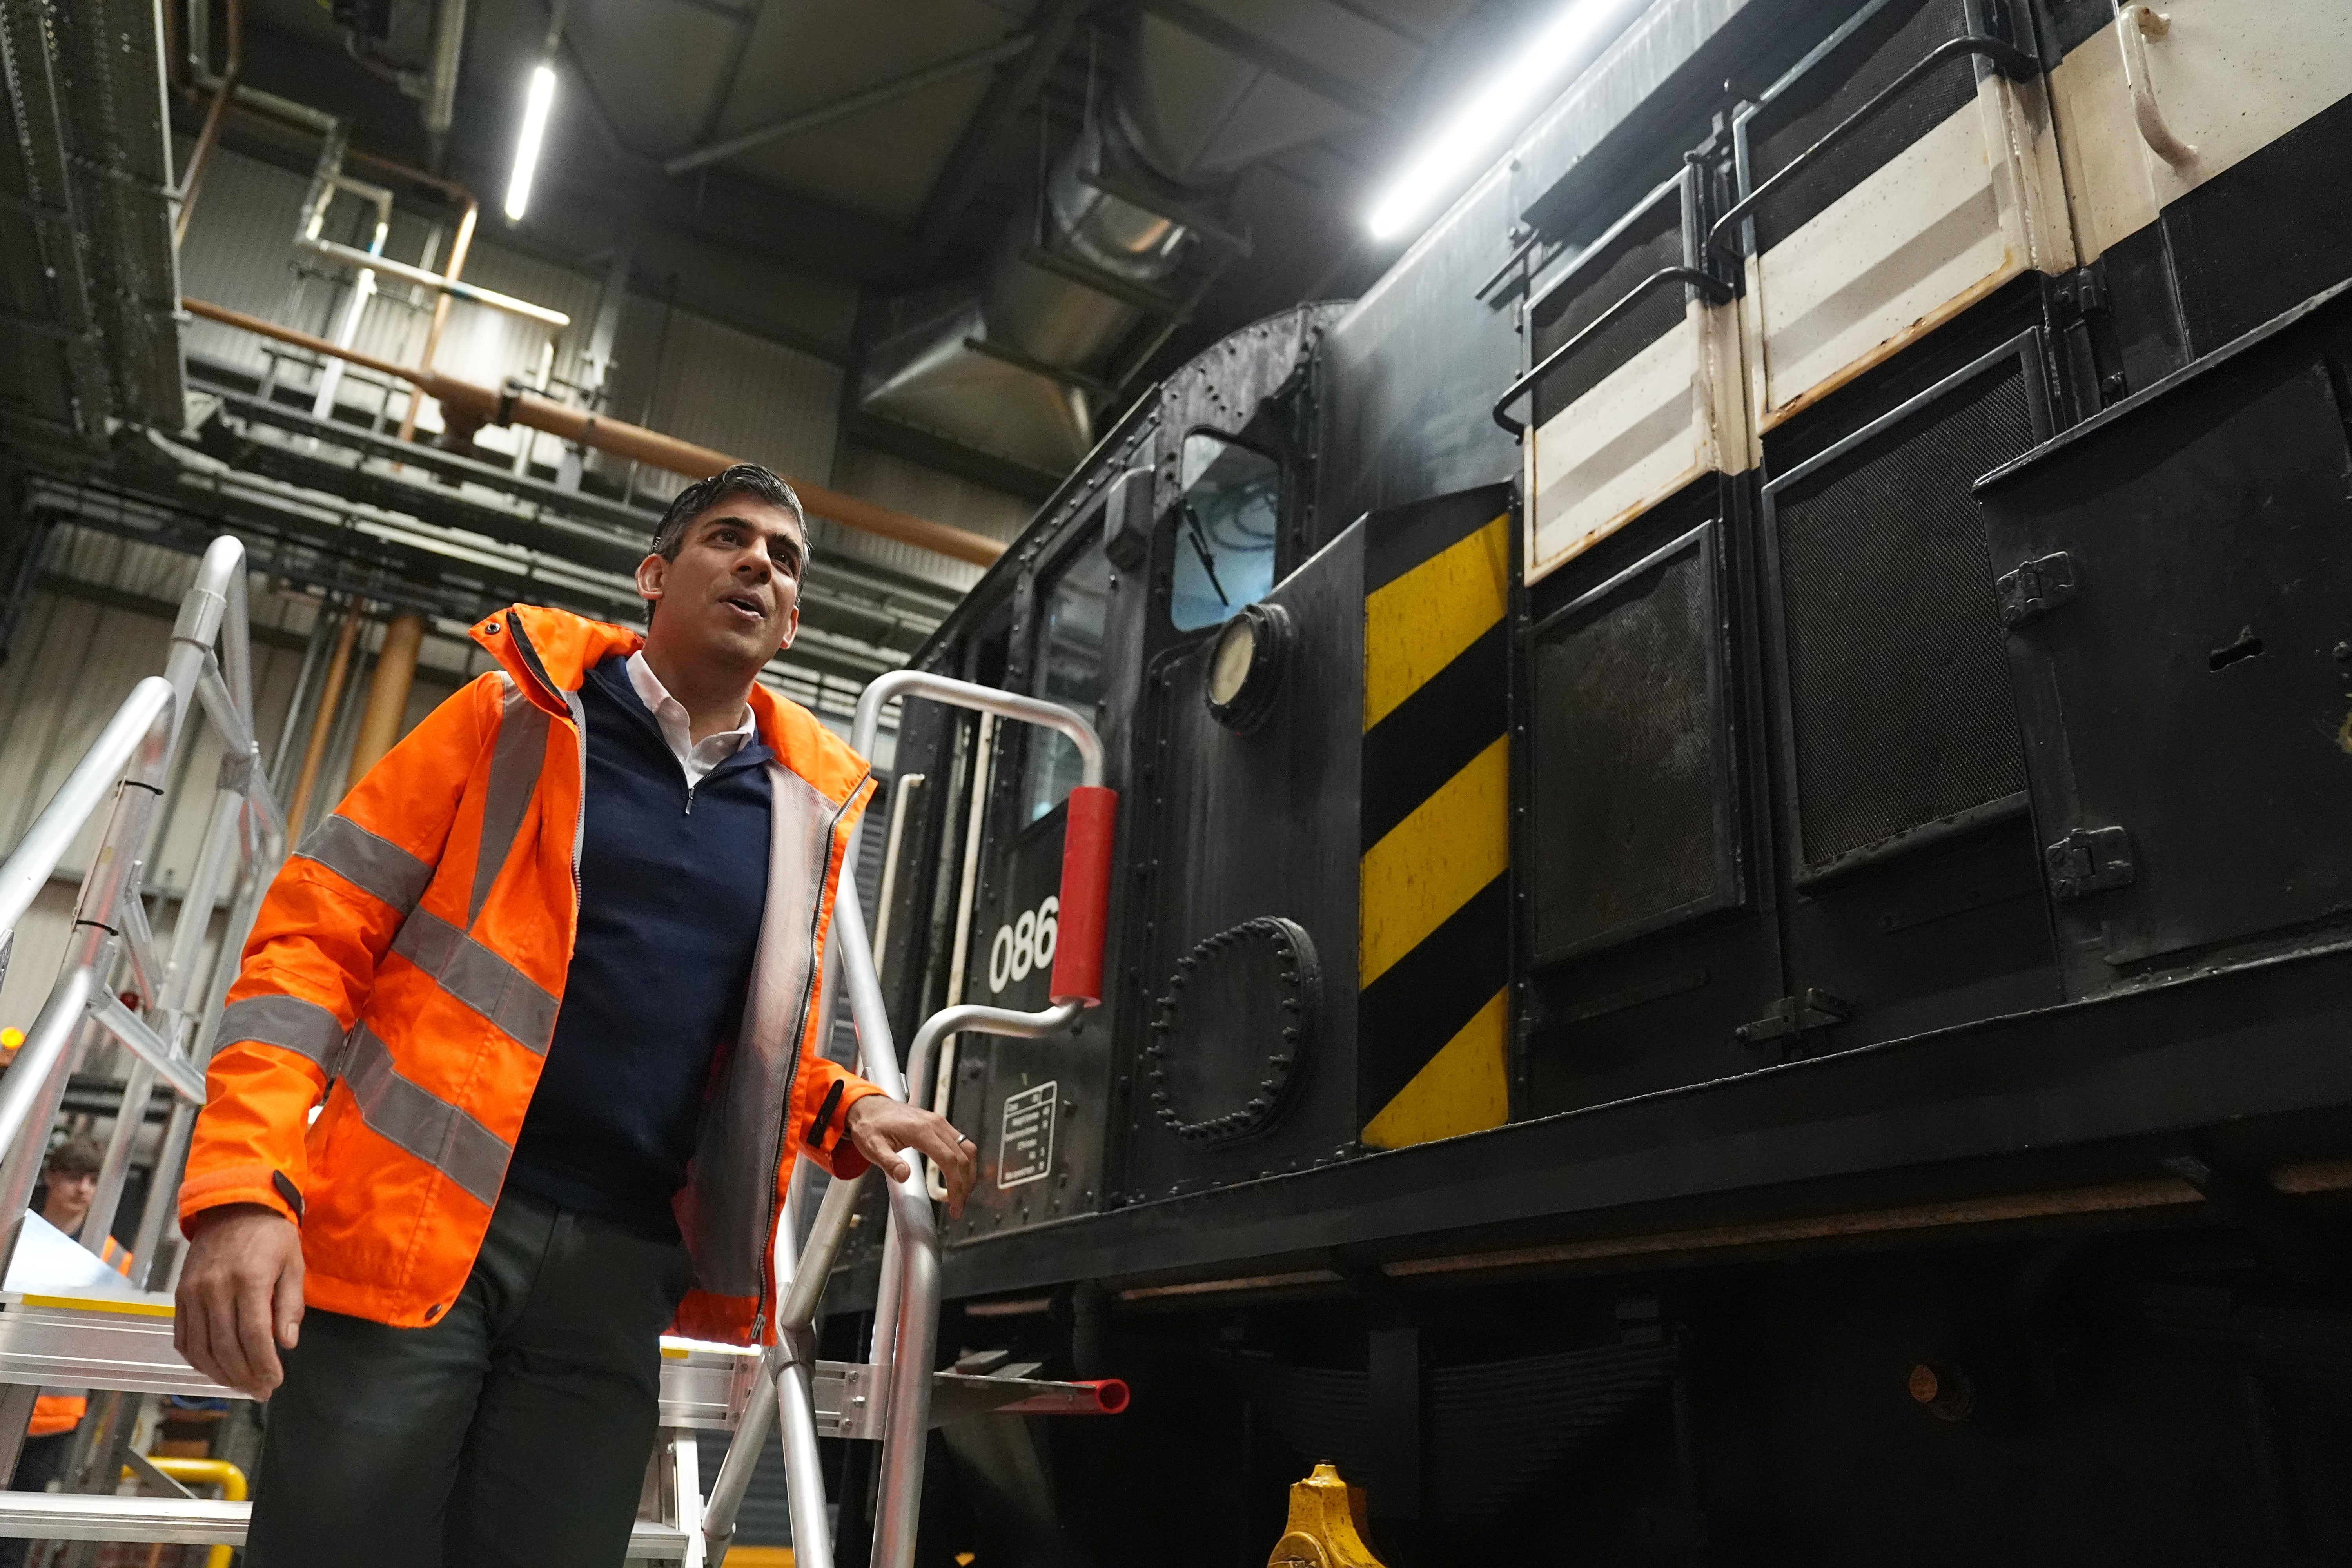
121 1346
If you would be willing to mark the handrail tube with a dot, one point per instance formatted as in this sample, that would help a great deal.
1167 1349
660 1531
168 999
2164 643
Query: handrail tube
973 1019
878 691
906 1421
139 944
472 293
2135 25
235 734
170 1165
213 860
906 1425
803 1463
2011 61
734 1478
150 1048
114 1164
29 1095
825 1237
34 859
1710 287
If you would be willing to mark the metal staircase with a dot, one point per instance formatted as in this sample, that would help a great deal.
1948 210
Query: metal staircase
164 1007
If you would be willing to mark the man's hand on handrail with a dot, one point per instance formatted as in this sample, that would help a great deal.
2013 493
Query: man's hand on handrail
240 1297
880 1127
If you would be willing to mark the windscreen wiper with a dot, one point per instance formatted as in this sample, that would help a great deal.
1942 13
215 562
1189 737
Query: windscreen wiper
1199 536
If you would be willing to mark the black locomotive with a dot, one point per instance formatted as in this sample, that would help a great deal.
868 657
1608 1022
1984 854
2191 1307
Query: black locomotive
1732 938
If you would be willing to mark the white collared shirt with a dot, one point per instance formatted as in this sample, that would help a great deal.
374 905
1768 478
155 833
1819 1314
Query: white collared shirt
697 757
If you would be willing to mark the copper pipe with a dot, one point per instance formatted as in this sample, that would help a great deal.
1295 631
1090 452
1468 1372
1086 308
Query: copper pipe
387 698
209 137
467 407
458 249
322 725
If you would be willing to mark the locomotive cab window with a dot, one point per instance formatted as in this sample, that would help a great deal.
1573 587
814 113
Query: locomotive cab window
1076 604
1227 524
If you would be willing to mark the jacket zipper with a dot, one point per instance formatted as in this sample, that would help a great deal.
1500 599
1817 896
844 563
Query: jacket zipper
800 1054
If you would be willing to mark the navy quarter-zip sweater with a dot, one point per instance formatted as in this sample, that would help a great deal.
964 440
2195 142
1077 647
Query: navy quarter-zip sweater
672 885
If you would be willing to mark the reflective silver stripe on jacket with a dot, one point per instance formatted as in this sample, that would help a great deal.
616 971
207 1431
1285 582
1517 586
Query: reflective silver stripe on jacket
368 861
515 765
422 1122
288 1022
520 1008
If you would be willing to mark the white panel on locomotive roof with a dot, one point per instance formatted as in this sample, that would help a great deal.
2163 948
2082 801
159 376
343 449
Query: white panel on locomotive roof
1650 427
2226 78
1962 210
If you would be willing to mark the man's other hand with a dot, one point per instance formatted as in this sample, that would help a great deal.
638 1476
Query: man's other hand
880 1127
241 1297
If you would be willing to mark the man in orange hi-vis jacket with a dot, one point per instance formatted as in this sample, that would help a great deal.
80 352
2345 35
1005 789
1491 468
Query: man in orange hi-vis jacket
551 975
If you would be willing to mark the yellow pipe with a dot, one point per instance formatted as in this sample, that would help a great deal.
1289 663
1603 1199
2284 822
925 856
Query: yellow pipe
204 1473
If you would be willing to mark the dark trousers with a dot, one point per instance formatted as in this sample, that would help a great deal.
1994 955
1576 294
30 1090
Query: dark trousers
513 1432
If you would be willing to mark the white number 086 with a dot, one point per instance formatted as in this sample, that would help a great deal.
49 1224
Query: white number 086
1026 944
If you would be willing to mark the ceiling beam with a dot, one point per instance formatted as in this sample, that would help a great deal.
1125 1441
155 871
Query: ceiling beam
857 103
1011 93
1246 46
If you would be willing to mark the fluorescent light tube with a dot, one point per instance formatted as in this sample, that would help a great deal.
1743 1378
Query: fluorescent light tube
1488 120
534 128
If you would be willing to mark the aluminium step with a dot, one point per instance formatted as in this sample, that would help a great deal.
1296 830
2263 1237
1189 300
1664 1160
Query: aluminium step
124 1343
201 1522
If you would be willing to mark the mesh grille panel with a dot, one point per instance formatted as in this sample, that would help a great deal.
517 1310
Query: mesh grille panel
1652 241
1626 735
1901 713
1842 81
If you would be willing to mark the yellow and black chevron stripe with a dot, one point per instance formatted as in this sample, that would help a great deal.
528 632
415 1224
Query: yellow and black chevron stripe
1435 927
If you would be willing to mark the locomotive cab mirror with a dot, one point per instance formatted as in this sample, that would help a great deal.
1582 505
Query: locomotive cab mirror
1227 521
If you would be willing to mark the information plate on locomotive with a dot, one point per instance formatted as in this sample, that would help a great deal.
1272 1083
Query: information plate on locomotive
1025 1150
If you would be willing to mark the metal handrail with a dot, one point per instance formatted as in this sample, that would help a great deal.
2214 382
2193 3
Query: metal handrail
34 859
2011 60
907 1310
1713 288
130 763
868 723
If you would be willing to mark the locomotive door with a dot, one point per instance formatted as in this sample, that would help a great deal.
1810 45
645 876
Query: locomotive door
1036 1107
2204 142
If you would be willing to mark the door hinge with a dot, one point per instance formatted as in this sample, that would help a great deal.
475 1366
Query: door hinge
2090 861
2036 588
1816 1009
2082 292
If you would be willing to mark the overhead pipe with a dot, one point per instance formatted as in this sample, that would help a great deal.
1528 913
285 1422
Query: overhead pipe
223 94
467 407
441 100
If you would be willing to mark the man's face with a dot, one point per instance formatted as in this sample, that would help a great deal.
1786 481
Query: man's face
68 1203
734 591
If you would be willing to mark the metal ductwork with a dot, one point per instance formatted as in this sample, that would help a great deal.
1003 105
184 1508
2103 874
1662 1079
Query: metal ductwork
1018 362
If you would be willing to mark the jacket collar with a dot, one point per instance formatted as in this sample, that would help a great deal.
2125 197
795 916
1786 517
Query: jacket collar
549 652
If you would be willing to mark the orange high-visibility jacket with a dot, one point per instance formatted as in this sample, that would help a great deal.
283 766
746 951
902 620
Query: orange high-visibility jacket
409 962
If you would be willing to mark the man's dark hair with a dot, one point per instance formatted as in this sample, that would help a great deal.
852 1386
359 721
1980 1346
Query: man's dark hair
748 478
75 1157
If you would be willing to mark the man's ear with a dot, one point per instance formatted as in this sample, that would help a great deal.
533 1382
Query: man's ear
651 572
791 628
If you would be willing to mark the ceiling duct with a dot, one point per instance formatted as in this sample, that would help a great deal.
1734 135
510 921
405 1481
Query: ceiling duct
1017 363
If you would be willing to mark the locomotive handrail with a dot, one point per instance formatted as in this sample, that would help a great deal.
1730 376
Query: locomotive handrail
1715 289
906 1308
1087 834
2135 25
2008 58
